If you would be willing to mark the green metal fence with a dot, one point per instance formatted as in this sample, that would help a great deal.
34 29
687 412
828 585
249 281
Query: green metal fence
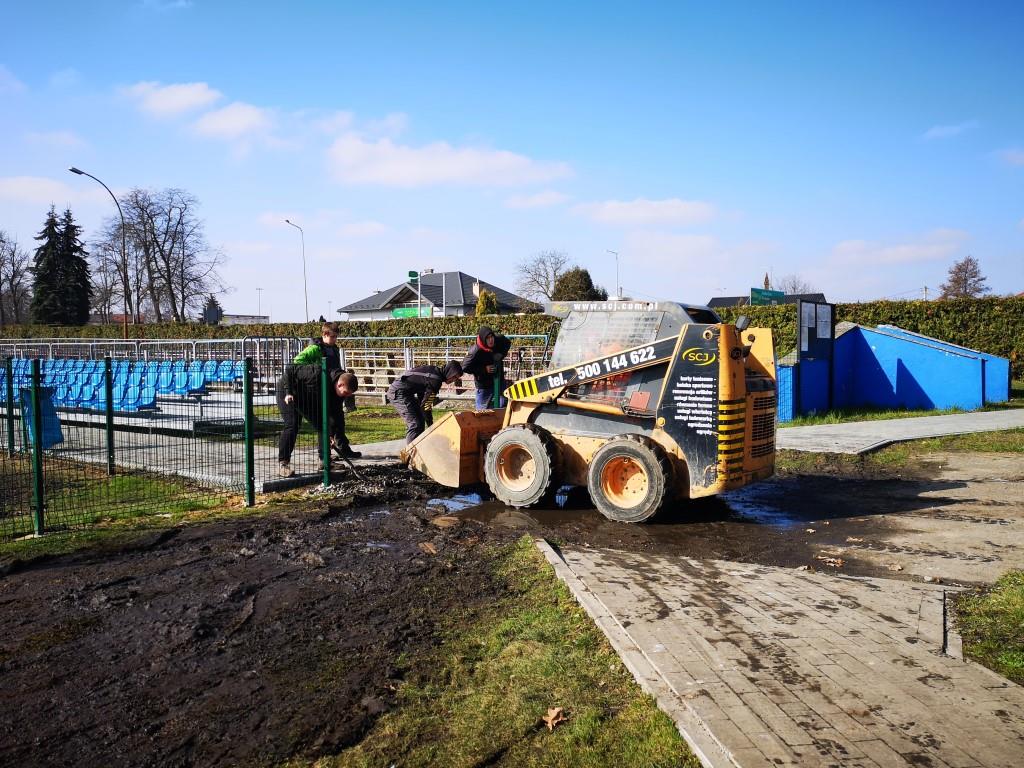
93 442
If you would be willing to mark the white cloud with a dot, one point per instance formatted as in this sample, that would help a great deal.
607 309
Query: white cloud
1013 156
948 131
334 123
39 190
390 126
643 212
65 78
234 121
353 160
363 229
932 246
9 83
59 139
169 100
545 199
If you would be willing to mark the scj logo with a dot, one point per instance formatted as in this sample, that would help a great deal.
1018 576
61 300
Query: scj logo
698 356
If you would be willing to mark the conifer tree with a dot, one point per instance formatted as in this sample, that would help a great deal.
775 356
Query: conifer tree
46 273
486 303
77 289
61 288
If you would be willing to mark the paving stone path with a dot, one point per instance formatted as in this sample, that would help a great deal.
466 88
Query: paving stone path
763 666
863 436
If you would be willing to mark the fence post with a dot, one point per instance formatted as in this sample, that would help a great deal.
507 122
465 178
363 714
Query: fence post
38 499
250 473
108 389
325 432
9 389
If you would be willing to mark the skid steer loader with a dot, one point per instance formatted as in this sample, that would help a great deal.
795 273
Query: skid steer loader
644 403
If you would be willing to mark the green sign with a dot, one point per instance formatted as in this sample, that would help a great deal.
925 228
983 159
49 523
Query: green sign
425 311
414 275
763 297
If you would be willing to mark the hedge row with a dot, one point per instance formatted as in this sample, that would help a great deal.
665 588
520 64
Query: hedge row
994 325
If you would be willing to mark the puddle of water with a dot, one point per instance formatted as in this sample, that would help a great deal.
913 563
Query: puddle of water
458 502
750 505
496 513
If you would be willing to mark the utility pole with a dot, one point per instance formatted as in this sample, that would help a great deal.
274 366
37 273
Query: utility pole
618 291
259 295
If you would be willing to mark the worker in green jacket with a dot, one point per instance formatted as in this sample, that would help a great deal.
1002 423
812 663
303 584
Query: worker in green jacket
326 348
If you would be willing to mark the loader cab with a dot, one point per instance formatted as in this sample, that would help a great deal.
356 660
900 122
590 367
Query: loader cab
592 329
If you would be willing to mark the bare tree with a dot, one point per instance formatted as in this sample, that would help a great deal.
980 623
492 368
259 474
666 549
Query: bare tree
15 280
536 276
793 284
169 268
964 280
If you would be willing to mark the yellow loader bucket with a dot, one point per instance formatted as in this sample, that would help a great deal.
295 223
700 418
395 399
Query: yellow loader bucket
449 451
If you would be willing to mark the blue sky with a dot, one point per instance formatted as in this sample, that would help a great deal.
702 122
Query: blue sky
864 148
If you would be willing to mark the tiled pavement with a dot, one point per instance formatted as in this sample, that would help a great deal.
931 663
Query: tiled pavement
768 666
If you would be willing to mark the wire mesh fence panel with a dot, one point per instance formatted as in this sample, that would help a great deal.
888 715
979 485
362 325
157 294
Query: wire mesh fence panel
117 439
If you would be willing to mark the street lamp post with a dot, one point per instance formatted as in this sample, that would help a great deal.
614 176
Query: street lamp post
124 258
259 295
618 291
305 289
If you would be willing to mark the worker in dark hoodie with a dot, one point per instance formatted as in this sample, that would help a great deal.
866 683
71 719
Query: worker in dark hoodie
484 360
298 396
414 393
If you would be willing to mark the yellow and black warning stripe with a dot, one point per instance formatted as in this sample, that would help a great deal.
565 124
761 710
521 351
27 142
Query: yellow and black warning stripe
523 389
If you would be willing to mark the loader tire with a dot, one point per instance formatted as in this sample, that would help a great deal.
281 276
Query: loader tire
629 479
519 465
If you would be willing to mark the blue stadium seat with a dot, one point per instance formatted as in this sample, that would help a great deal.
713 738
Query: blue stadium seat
180 383
225 371
196 383
210 370
165 381
147 399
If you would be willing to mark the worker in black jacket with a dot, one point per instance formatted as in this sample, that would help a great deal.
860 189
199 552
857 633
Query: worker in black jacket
414 392
298 395
485 358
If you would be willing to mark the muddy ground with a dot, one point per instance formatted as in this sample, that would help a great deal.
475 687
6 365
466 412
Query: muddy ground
257 639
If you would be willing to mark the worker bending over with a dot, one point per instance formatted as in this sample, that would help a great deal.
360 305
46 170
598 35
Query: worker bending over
414 393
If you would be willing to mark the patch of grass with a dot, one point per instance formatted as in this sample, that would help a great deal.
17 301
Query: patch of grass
991 623
478 699
845 415
898 455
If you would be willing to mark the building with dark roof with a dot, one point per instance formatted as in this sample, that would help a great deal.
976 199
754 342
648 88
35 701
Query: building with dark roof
718 302
440 294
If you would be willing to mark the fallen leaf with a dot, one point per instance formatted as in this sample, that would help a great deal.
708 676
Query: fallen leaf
445 521
426 546
853 538
554 717
895 567
933 579
835 562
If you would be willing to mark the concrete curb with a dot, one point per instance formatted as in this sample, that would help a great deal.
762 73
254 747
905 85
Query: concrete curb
692 728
